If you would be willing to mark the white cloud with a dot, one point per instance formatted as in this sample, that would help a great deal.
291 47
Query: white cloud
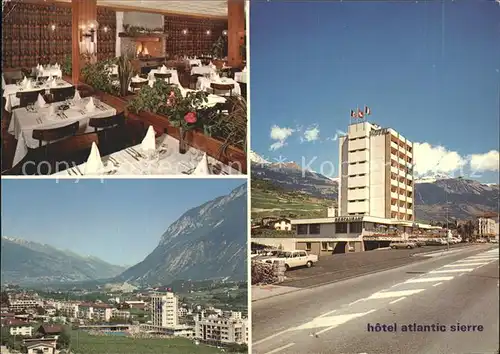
338 133
485 162
436 159
280 135
311 134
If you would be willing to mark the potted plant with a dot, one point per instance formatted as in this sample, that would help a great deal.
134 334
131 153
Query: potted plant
185 112
219 48
125 74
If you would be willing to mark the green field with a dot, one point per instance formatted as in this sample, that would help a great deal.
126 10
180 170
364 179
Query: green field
272 201
83 343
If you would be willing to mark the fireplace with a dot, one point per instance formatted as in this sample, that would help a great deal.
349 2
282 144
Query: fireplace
142 50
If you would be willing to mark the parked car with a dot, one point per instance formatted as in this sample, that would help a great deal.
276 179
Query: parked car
402 244
294 259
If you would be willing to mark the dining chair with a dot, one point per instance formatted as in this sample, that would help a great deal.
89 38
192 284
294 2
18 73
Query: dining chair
136 86
62 94
27 98
112 132
163 76
193 81
222 87
53 134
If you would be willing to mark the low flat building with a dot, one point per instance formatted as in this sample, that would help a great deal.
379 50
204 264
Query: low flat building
342 234
18 327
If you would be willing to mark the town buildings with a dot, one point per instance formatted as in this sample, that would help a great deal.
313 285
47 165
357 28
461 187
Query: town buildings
221 328
486 227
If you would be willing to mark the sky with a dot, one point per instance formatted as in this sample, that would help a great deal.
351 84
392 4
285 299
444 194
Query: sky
428 69
119 221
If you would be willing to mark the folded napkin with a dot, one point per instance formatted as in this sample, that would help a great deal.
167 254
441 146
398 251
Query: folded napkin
94 163
77 96
25 81
149 142
38 66
53 83
90 107
244 70
163 69
136 77
40 102
56 66
202 168
52 110
28 84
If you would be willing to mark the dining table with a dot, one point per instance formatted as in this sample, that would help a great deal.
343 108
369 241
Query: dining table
204 84
167 160
10 91
203 70
25 120
174 79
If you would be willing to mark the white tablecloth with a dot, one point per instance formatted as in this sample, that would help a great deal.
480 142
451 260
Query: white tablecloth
194 62
202 70
174 79
132 161
204 84
24 122
49 72
241 76
11 90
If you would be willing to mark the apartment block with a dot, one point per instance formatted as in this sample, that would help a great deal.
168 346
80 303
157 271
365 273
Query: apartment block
486 227
376 173
164 310
227 328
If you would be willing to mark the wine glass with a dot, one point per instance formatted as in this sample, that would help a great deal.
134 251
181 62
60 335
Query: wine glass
151 161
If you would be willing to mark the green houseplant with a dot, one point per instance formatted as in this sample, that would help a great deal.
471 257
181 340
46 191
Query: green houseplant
219 48
125 74
97 76
67 65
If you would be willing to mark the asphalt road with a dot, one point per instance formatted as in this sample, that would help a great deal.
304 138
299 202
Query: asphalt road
341 266
460 287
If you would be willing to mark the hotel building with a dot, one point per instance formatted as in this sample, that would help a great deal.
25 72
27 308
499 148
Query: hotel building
376 173
375 198
230 327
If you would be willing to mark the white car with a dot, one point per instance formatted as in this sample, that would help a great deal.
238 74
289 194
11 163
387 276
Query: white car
294 259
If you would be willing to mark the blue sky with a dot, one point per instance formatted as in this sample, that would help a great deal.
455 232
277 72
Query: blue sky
430 70
120 221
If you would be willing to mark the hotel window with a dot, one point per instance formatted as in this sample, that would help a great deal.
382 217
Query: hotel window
330 246
324 246
341 228
355 228
302 229
314 229
308 246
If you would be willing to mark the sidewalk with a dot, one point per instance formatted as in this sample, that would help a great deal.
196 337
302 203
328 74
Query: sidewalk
260 292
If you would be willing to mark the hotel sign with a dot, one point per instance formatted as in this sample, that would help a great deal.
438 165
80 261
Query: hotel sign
348 218
379 132
381 238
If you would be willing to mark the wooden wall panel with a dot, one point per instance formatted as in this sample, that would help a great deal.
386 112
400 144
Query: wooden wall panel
196 41
28 39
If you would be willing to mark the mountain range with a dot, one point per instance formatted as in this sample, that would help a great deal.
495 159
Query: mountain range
287 190
26 262
206 242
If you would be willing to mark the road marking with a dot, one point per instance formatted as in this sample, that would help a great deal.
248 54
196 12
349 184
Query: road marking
271 337
389 294
331 321
428 280
397 285
438 284
341 320
452 270
397 300
328 313
464 264
355 302
281 348
486 258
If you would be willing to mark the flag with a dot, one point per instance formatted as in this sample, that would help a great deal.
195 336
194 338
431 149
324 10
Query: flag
354 114
368 111
360 114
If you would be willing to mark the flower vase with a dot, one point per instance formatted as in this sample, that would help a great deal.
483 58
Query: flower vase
182 141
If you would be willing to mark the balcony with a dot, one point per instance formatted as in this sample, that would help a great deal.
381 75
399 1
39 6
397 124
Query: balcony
394 145
401 161
358 156
358 181
394 182
402 197
402 210
394 195
394 207
394 169
409 188
409 176
409 211
409 199
358 144
402 173
357 194
358 169
357 207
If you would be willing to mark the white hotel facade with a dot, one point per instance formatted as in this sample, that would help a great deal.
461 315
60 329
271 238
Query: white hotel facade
375 198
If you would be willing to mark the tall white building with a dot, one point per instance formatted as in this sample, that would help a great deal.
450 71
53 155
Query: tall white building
486 227
164 310
376 173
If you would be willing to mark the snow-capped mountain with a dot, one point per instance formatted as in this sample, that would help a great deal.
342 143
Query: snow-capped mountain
432 178
256 158
206 242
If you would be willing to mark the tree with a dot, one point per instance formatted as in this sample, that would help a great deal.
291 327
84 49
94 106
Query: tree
40 310
64 340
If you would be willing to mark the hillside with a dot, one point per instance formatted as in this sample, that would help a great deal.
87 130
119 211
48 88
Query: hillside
206 242
26 262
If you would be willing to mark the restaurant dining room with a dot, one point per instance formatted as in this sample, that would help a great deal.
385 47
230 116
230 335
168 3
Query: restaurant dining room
104 87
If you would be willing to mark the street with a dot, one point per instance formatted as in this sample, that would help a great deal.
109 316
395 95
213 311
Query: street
460 288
